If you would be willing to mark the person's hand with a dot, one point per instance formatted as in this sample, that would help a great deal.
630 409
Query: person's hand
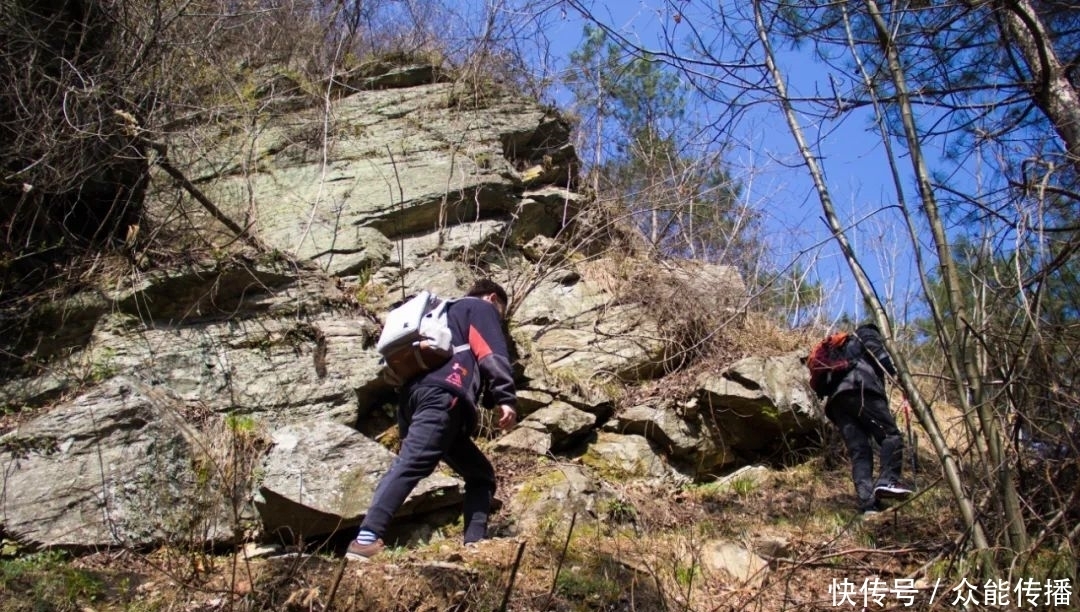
507 417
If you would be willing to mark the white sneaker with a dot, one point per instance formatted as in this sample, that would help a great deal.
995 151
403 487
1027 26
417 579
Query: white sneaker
892 490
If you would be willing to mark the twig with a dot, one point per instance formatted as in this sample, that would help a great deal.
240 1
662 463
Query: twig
337 582
163 161
324 162
401 213
854 551
562 558
513 575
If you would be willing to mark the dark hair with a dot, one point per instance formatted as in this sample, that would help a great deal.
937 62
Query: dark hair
484 286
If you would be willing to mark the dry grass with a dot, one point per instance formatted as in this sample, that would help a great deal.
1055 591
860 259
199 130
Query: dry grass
647 556
706 323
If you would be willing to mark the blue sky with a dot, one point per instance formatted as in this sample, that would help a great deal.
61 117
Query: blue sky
763 155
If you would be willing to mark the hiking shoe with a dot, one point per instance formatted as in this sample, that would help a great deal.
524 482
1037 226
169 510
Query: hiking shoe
362 552
892 490
872 516
871 507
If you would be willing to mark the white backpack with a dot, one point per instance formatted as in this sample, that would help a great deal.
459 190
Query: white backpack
416 338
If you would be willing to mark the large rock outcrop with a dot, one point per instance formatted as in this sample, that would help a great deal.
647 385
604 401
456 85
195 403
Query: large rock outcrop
404 185
434 165
118 465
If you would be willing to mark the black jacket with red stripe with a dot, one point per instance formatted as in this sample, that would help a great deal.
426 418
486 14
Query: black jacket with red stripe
868 375
475 322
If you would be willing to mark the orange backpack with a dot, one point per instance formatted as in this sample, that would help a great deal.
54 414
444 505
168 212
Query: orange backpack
831 359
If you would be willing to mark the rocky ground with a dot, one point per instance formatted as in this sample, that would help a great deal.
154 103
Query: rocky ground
660 551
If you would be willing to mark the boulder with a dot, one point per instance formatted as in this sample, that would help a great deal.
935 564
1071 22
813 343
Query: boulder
758 402
235 337
548 502
403 162
118 465
319 478
679 434
735 561
534 441
628 457
531 400
548 429
578 341
746 478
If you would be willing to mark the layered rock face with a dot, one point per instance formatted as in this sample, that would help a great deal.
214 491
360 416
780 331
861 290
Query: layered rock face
236 396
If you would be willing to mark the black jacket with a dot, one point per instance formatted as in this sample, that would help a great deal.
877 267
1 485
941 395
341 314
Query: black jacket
868 375
475 322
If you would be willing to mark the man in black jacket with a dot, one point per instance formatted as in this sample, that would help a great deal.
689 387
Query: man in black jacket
859 408
437 414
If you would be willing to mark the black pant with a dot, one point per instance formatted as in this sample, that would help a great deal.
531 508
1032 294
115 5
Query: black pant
860 416
433 428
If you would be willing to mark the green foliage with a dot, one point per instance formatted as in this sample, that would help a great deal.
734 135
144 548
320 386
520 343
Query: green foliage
1027 331
829 520
867 537
680 195
47 582
589 588
1044 564
621 511
103 365
790 292
634 91
685 574
241 425
484 160
8 548
533 490
368 292
743 486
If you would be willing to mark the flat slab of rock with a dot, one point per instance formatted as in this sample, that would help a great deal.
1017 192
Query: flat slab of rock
114 466
320 477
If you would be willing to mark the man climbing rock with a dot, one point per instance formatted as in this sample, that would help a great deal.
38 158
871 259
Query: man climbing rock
858 406
437 414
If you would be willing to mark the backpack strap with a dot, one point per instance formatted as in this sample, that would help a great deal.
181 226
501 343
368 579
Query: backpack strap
855 347
459 348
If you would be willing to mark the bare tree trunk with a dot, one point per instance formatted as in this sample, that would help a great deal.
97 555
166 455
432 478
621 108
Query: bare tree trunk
949 465
962 362
1054 93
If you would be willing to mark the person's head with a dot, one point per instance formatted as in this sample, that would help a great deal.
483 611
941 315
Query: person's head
487 289
869 326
